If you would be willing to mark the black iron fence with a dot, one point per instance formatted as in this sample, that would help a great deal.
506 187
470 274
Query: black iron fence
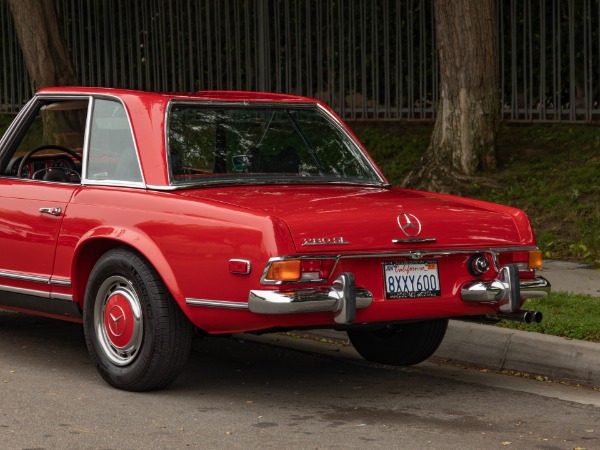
372 59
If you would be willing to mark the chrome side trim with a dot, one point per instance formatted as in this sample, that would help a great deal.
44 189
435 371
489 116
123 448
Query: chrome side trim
57 296
216 303
35 279
60 282
32 292
24 277
36 293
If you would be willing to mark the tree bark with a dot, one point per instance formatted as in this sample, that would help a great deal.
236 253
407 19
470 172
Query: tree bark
464 136
44 48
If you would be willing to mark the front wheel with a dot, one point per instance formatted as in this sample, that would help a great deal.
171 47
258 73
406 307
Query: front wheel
136 334
402 344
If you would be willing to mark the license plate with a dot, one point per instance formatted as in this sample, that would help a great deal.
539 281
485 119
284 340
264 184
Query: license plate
411 279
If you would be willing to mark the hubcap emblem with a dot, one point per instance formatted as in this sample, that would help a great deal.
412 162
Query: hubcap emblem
120 322
117 322
409 224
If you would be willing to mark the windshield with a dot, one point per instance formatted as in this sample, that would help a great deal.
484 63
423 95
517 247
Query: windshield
222 144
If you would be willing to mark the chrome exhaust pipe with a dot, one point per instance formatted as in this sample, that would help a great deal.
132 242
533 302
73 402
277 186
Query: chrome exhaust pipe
521 316
517 316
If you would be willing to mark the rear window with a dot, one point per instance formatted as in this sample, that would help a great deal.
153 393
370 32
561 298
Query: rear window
262 144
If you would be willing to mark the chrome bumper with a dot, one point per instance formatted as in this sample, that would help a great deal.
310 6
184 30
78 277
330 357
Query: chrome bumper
342 299
507 290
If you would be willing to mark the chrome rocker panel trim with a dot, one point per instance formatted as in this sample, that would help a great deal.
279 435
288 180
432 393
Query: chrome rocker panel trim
342 298
216 303
507 290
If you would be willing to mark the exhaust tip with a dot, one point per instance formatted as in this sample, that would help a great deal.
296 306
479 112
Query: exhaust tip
537 316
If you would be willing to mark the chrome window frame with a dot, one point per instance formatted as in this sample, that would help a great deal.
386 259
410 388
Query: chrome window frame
84 170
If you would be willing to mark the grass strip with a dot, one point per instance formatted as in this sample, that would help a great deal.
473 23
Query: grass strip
572 316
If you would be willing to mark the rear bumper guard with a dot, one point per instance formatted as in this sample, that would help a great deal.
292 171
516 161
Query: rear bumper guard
342 298
507 290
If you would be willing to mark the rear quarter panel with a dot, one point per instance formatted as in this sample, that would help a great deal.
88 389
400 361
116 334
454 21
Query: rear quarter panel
188 242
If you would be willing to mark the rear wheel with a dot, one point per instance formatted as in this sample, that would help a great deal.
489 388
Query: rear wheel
402 344
136 334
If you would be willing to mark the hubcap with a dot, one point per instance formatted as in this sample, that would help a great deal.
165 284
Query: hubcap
118 320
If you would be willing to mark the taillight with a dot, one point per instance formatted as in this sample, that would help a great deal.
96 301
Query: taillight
317 269
525 260
300 270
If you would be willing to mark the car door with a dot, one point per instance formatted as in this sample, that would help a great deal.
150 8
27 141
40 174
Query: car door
40 167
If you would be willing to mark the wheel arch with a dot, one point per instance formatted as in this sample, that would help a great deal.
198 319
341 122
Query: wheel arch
91 248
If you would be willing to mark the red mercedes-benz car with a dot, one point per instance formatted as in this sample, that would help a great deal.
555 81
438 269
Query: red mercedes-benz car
146 216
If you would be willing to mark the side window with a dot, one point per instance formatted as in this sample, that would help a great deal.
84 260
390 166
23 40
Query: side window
112 154
49 148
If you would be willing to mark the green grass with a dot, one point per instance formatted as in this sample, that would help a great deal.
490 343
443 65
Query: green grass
567 315
5 120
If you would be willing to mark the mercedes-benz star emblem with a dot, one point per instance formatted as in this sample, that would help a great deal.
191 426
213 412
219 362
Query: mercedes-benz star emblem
117 321
409 224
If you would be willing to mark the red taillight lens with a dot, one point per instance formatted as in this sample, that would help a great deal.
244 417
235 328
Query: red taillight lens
300 270
317 269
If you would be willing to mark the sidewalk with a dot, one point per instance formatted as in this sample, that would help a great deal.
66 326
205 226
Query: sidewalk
503 349
572 277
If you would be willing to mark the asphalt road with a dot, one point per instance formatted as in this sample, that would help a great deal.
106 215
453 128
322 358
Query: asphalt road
275 392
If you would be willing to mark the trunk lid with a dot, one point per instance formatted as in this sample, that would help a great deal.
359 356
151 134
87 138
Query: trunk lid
347 218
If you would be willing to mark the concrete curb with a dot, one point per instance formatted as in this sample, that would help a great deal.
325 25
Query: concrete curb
522 351
487 346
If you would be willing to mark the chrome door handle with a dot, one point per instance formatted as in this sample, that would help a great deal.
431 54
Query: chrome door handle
52 211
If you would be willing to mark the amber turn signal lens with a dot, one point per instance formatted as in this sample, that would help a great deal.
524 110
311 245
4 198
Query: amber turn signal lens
535 259
290 270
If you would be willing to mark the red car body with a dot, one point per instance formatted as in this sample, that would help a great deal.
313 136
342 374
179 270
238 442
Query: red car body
238 248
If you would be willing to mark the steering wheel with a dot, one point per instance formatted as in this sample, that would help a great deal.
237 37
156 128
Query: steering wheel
39 149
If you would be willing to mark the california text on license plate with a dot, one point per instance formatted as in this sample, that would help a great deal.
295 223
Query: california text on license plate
411 279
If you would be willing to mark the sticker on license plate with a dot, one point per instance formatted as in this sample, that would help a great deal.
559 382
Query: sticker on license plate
411 279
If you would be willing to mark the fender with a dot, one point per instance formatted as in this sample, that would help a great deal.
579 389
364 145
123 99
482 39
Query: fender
98 240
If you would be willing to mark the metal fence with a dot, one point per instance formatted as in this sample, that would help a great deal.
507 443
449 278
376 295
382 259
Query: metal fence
367 59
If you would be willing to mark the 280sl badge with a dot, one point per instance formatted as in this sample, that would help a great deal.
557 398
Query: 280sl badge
336 240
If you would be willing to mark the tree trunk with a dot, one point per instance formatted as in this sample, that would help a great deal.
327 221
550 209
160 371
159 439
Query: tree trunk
44 48
48 63
463 140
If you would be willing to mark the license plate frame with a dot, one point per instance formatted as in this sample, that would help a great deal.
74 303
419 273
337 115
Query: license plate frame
411 279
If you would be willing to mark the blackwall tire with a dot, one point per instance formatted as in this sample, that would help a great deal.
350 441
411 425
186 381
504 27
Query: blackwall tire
401 344
135 332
